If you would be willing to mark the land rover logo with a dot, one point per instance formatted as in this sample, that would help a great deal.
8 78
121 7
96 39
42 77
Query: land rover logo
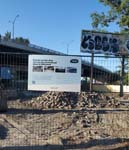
74 60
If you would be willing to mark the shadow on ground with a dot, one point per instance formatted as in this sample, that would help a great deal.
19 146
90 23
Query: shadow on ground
103 143
52 111
3 132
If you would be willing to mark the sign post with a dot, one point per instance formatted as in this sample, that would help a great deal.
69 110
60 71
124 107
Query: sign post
92 69
122 76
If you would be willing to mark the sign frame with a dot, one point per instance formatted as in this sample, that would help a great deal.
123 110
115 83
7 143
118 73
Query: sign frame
54 73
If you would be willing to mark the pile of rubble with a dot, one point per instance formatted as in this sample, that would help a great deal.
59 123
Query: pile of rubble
97 100
84 119
54 100
65 100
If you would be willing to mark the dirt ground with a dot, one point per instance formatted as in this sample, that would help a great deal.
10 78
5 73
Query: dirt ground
24 127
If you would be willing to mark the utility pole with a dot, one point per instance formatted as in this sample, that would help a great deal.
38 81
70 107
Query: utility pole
13 24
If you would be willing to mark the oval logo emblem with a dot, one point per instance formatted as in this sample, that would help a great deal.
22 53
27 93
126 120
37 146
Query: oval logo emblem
74 60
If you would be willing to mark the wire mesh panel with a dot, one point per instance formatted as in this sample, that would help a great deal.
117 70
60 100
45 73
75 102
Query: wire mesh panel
14 70
107 73
43 120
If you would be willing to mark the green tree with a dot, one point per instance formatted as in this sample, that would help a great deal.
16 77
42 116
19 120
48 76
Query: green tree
7 35
118 12
22 40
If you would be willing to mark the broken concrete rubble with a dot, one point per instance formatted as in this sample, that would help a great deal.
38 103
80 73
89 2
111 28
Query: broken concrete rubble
80 121
64 100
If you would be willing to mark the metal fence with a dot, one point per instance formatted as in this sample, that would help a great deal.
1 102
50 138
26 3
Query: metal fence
48 120
109 73
107 70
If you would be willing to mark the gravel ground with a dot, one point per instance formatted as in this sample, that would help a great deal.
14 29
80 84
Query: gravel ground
24 126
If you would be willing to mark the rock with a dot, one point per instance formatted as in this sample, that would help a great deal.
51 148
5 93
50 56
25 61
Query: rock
69 100
55 140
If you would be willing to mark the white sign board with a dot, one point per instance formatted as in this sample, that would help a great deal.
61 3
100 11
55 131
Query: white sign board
107 43
54 73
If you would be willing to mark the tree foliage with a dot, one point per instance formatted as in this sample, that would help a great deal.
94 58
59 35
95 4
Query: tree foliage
22 40
19 40
118 12
7 35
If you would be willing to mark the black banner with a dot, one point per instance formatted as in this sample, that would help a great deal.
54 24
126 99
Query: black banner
108 43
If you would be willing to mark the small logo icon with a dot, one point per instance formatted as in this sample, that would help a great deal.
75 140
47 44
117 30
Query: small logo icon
74 60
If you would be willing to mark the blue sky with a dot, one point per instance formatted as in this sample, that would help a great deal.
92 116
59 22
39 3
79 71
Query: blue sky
50 23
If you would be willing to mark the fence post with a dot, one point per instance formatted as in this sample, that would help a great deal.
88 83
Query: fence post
128 70
3 99
91 74
122 76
